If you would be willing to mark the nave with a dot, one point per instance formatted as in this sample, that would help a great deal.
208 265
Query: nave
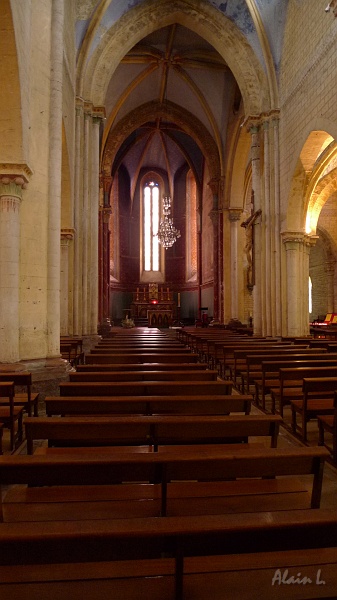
153 475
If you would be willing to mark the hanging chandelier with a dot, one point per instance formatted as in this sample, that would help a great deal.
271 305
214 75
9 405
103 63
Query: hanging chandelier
167 233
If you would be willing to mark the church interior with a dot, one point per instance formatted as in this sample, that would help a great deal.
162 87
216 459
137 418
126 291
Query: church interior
168 225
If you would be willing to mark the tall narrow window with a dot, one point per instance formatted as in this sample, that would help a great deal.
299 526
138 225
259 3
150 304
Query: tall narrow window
150 226
310 295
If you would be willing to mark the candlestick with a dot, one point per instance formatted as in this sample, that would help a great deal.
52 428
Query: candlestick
178 300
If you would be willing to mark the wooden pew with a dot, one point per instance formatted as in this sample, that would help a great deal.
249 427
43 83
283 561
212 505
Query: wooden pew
142 367
153 375
328 424
217 554
149 405
71 348
150 431
85 486
291 382
11 415
254 363
132 349
317 399
141 357
27 399
143 388
270 371
245 361
226 358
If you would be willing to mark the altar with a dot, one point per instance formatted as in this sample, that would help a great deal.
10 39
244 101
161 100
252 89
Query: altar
154 304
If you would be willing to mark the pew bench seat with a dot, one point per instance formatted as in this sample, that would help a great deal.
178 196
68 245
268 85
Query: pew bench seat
154 431
203 577
142 500
148 405
205 555
110 486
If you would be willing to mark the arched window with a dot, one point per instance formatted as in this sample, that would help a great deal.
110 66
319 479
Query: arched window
152 262
150 226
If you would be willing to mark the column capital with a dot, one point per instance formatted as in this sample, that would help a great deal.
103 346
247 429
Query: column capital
254 122
98 114
13 179
67 233
234 214
292 239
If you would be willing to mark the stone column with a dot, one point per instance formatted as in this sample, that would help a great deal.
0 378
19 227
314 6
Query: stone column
276 248
85 215
66 236
214 216
297 246
94 226
10 199
55 170
266 233
106 262
104 248
78 190
257 248
234 215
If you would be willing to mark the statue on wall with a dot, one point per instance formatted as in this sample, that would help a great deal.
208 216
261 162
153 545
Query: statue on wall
249 246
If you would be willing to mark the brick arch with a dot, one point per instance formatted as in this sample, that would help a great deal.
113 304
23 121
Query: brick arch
204 20
151 111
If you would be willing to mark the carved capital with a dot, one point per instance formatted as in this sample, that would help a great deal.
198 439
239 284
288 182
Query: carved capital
234 214
13 179
292 239
67 233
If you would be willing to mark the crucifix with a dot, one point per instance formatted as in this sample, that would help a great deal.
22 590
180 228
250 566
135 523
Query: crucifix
249 246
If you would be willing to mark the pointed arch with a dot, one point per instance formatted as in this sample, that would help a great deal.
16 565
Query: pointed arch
204 20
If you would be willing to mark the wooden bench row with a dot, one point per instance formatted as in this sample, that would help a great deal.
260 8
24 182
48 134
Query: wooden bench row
141 357
167 483
234 556
143 375
150 431
149 405
143 388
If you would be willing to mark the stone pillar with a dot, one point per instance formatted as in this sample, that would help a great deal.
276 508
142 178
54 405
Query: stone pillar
106 262
55 170
78 187
214 216
257 248
234 215
297 246
94 225
85 215
276 247
66 236
266 234
10 199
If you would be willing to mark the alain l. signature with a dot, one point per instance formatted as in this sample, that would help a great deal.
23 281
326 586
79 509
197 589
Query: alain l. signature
283 578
